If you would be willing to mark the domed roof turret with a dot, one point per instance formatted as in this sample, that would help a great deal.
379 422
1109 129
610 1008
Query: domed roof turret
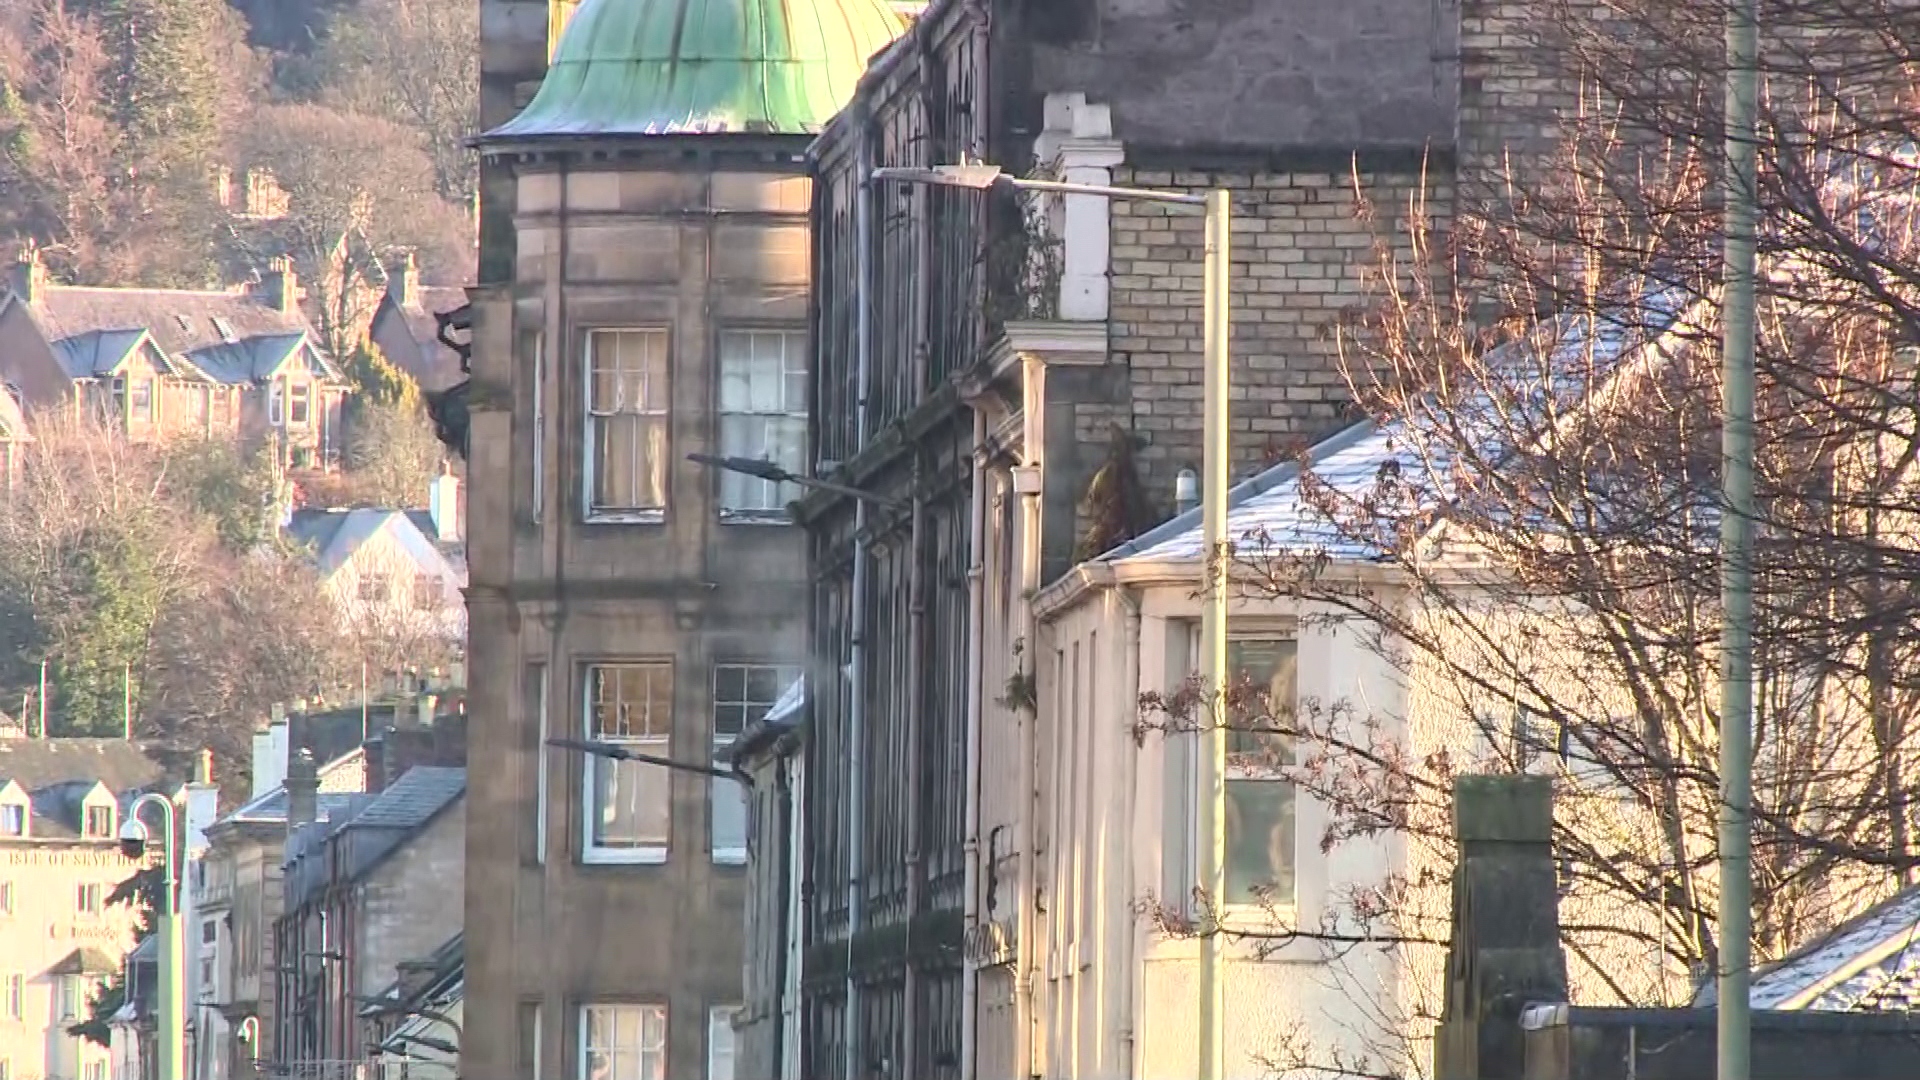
695 67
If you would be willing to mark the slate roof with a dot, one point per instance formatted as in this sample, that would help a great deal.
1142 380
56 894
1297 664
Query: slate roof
334 535
271 808
38 764
98 352
370 831
413 800
180 320
1869 963
434 366
255 359
1275 512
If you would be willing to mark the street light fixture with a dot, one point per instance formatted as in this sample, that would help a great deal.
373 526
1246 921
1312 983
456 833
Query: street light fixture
616 752
134 836
1216 331
762 469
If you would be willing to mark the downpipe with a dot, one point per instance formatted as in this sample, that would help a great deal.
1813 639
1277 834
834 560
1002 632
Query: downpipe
976 666
857 661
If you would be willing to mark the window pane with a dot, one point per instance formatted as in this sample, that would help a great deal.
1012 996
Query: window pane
762 412
630 704
1262 675
1259 841
729 817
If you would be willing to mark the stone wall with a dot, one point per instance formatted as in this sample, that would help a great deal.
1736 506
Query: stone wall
1302 254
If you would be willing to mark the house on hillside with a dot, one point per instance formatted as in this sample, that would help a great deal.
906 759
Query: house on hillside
159 363
396 570
407 332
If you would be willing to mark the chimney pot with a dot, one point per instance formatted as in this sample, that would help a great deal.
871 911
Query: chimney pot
1186 490
404 280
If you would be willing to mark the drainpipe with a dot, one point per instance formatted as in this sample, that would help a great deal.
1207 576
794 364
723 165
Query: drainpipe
976 664
783 877
1126 807
856 706
916 633
1026 483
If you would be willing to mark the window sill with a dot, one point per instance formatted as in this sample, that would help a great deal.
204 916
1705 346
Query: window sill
626 517
755 517
730 857
635 856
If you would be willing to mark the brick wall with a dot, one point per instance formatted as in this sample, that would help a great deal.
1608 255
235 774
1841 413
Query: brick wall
1302 253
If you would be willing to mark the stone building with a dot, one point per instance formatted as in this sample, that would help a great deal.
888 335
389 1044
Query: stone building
362 893
643 297
61 805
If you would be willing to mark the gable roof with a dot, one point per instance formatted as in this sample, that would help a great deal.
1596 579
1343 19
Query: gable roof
257 359
334 535
431 364
413 800
181 321
98 353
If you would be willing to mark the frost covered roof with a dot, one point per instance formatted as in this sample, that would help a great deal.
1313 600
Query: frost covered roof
1856 966
1276 512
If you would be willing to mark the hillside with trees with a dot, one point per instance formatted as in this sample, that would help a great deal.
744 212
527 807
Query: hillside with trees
119 118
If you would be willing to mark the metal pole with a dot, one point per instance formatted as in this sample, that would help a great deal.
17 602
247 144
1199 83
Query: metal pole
856 690
1736 547
1213 758
172 1035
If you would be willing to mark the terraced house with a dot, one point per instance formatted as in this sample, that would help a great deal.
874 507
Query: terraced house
643 298
241 363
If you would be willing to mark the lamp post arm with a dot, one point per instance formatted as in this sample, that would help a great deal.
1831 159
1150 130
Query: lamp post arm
616 752
1061 187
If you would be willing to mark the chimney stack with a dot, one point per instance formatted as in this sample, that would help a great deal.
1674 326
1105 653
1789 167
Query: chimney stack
303 790
280 286
27 276
403 281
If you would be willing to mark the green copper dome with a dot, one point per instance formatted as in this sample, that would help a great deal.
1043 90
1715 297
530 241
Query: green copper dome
694 67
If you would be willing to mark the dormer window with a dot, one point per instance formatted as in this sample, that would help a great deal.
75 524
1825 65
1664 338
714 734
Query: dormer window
99 822
225 330
13 819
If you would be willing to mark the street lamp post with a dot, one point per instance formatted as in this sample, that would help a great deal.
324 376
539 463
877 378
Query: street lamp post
172 1036
1215 337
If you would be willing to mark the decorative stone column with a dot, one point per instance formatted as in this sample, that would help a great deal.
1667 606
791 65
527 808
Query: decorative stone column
1078 147
1504 952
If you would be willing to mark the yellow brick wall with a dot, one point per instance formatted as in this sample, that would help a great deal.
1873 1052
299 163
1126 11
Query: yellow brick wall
1302 252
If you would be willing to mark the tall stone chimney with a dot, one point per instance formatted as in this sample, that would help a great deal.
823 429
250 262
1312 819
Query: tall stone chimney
303 790
280 288
403 281
28 275
1504 952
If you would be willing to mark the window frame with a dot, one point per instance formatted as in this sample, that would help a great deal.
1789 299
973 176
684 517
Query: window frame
593 853
785 675
591 514
88 816
373 587
758 515
299 403
6 898
139 411
1246 774
15 993
14 808
89 898
277 403
721 1018
583 1064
